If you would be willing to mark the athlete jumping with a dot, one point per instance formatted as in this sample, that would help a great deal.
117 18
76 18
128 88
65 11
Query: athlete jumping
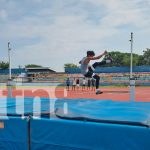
88 71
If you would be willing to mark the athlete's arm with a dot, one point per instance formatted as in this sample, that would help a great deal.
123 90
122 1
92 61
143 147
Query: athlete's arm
97 57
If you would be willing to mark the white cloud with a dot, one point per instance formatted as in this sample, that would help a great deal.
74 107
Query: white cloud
66 29
118 12
3 14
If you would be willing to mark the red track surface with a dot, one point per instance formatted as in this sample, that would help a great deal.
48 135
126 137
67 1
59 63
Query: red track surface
113 93
110 93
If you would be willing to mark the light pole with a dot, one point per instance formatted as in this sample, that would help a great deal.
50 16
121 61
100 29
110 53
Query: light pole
131 57
9 83
9 58
132 80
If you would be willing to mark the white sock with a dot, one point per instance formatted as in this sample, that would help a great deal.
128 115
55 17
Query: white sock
97 90
108 61
93 75
92 68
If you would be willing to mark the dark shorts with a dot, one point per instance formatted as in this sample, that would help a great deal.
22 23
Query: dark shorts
89 74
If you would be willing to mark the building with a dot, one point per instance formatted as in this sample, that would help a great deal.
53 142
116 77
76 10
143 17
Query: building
38 70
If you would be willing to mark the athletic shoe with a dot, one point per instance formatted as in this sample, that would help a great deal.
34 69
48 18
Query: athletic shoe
98 92
108 58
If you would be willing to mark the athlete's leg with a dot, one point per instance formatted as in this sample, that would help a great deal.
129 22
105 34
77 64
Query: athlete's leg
90 74
98 64
107 60
97 78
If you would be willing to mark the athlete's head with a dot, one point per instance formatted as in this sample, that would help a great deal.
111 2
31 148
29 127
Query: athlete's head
90 54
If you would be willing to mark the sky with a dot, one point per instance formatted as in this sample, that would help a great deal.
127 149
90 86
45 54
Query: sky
51 33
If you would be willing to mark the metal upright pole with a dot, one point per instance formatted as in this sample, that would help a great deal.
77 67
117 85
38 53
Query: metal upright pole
9 83
9 57
131 60
132 80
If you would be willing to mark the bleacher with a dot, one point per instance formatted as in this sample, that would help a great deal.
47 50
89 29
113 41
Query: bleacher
111 69
117 75
108 75
4 74
13 71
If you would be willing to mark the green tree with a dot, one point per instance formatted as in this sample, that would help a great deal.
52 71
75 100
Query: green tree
70 65
4 65
32 66
126 60
141 61
136 59
123 59
146 57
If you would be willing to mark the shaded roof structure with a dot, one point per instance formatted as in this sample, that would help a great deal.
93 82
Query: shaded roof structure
33 70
